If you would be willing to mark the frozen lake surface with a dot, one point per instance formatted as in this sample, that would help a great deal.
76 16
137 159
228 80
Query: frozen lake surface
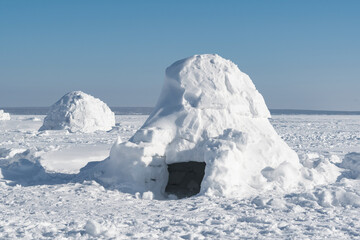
53 206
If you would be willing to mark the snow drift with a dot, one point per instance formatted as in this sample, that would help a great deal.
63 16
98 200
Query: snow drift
4 115
78 111
209 133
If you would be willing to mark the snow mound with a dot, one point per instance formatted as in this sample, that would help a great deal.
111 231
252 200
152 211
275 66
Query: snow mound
4 115
21 166
352 162
79 112
209 133
93 228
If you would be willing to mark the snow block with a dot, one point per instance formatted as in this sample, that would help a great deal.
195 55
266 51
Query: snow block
352 162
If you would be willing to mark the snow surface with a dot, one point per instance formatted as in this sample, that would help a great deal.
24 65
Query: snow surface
209 111
78 111
4 115
37 203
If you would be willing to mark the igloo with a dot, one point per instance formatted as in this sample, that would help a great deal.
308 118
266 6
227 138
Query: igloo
79 112
208 134
4 115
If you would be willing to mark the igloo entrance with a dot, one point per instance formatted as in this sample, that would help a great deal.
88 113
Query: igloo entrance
185 178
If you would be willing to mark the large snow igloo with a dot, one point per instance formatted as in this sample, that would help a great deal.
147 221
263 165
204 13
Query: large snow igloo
79 112
209 133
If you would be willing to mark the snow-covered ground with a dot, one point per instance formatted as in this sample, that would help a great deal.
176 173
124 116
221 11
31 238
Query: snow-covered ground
41 200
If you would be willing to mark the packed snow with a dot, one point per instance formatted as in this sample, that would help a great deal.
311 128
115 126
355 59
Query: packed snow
78 111
4 115
208 133
56 204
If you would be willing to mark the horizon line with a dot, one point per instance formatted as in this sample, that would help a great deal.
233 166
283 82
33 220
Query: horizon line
270 109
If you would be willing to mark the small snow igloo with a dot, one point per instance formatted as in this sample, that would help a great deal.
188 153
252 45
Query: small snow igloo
208 134
79 112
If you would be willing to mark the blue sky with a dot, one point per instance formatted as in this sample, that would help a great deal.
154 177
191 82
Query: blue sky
300 54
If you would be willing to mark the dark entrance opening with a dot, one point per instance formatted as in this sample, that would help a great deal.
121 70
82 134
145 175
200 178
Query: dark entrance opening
185 178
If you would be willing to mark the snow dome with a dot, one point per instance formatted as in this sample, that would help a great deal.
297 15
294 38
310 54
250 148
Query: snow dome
209 133
78 111
4 115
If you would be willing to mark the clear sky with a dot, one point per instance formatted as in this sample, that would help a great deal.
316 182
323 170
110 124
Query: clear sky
300 54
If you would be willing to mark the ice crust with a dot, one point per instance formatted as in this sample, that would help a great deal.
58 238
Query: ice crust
209 111
79 112
4 115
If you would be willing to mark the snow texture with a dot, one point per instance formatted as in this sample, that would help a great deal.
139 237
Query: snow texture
4 115
79 112
209 111
38 203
